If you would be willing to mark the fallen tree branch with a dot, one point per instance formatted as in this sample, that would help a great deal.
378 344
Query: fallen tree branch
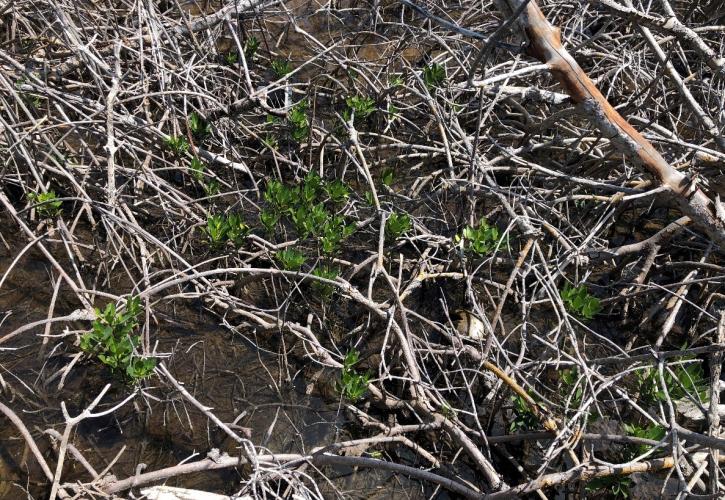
545 45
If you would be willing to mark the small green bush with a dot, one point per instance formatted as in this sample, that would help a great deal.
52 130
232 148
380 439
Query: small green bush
113 341
177 144
352 385
578 301
291 259
47 204
397 225
482 239
434 75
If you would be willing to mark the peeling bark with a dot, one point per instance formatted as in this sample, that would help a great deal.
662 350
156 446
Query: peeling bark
544 43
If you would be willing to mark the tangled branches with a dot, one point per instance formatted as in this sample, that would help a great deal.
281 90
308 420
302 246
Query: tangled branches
432 264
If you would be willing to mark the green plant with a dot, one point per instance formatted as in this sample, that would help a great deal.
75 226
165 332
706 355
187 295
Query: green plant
578 301
388 177
324 290
395 80
297 117
361 106
250 46
291 259
271 141
369 198
216 229
236 229
434 75
573 390
47 204
654 432
231 58
397 225
177 144
113 341
337 191
281 67
198 126
482 239
680 380
352 385
613 486
334 230
197 169
223 228
211 188
524 418
269 220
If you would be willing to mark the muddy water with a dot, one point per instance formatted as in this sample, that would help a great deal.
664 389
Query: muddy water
222 371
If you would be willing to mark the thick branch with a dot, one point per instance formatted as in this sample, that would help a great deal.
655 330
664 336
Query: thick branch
545 45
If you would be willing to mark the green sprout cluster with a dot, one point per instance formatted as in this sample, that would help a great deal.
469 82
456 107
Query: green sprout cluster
114 342
226 228
578 301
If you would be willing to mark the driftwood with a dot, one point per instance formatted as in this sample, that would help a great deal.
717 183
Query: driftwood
544 43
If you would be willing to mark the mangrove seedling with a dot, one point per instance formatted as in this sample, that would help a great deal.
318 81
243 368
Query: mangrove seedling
236 229
216 229
361 106
250 46
482 239
297 117
281 67
177 144
197 169
434 75
47 204
114 341
291 259
352 385
578 301
397 225
198 126
337 191
324 290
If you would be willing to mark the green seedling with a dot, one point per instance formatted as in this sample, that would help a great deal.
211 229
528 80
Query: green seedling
281 68
271 141
361 106
211 188
610 486
681 380
388 177
47 204
311 187
216 229
334 230
572 389
395 80
654 432
524 418
434 75
578 301
113 341
197 169
223 228
448 412
291 259
236 229
250 47
177 144
352 386
297 118
280 196
482 239
337 191
231 58
369 198
324 290
397 225
198 126
269 220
